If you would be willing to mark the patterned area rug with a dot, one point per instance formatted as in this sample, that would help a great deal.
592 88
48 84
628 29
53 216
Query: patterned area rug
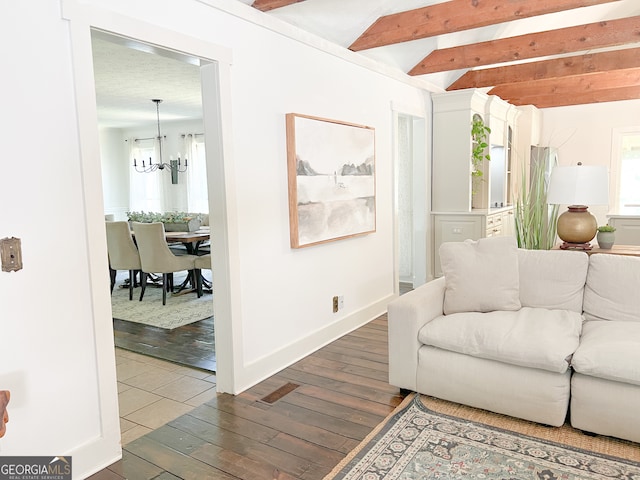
416 442
180 309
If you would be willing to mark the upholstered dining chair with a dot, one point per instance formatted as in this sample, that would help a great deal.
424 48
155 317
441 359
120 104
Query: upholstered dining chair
123 253
202 262
156 257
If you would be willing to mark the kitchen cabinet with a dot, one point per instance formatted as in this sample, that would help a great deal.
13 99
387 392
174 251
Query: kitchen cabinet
454 187
460 226
464 206
627 228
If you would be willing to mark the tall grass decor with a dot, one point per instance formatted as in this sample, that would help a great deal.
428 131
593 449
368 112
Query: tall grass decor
536 221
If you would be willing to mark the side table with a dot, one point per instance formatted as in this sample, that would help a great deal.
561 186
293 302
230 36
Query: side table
629 250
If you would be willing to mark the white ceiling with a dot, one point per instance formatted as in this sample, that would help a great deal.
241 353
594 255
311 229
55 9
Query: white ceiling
128 74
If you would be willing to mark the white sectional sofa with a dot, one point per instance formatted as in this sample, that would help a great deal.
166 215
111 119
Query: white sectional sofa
525 333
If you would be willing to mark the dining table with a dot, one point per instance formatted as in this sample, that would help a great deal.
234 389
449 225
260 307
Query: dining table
191 240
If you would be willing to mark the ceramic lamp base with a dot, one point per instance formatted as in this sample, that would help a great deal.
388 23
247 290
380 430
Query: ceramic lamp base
577 227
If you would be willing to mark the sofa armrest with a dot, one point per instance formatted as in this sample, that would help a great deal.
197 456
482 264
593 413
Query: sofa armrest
406 316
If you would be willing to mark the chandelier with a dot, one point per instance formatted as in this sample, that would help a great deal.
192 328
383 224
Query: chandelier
174 166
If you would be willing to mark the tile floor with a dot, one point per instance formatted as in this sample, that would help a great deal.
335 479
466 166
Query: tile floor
152 392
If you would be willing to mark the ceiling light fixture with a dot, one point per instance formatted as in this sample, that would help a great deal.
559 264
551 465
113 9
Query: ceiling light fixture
174 166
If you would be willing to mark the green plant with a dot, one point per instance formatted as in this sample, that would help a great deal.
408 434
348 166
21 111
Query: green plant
606 228
169 217
536 221
479 137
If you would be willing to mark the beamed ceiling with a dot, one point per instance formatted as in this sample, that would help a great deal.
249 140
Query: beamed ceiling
545 53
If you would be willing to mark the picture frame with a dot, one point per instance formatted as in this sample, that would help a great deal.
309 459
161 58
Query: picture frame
331 179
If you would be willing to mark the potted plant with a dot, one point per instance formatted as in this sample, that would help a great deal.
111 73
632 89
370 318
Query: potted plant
606 236
173 221
479 138
536 221
181 222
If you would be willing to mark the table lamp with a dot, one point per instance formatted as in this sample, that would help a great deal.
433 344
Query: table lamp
578 186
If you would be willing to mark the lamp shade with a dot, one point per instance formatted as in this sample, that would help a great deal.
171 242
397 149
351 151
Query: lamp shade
579 185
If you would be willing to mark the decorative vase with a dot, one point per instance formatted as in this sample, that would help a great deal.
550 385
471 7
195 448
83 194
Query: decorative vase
606 239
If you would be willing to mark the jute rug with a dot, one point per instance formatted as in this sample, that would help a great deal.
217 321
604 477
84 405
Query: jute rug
180 309
430 438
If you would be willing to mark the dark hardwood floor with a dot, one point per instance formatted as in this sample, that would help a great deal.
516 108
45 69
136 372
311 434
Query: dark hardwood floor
192 345
297 424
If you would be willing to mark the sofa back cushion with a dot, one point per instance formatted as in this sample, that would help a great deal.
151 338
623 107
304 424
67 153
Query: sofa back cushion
613 288
480 276
552 279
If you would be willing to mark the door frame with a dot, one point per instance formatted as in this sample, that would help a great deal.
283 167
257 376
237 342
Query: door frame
216 94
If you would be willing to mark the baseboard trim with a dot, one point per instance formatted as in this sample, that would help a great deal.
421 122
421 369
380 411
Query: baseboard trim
259 370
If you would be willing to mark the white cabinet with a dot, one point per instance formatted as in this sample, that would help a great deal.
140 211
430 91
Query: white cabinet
462 207
453 188
457 227
627 228
509 223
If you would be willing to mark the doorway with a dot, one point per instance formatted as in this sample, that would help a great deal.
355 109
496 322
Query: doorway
129 75
412 202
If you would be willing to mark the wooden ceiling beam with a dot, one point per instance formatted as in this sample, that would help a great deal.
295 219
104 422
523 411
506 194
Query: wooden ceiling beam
591 82
551 42
549 101
557 67
456 16
266 5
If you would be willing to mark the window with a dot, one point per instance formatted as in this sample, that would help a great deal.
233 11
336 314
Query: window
145 189
197 192
626 158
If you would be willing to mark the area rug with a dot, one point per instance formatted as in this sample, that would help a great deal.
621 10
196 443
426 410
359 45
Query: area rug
181 309
418 442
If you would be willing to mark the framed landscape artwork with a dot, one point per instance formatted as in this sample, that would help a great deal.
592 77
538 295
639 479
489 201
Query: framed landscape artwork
332 187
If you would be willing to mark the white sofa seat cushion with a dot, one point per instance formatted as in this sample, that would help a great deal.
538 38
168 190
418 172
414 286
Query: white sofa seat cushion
609 350
552 279
480 276
611 292
529 337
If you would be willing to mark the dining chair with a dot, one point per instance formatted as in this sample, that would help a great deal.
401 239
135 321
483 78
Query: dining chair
202 262
123 253
156 257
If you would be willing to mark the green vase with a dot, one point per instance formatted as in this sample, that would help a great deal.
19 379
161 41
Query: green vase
606 239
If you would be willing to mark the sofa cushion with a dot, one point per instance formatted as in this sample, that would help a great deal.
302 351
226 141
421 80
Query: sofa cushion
609 350
480 276
552 279
531 337
612 289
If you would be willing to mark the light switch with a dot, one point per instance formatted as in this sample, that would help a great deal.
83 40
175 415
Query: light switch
11 254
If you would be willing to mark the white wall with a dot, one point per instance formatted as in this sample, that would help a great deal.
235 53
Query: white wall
583 133
56 332
115 172
57 356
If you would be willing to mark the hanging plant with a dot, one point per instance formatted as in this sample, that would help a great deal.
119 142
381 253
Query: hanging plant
479 138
